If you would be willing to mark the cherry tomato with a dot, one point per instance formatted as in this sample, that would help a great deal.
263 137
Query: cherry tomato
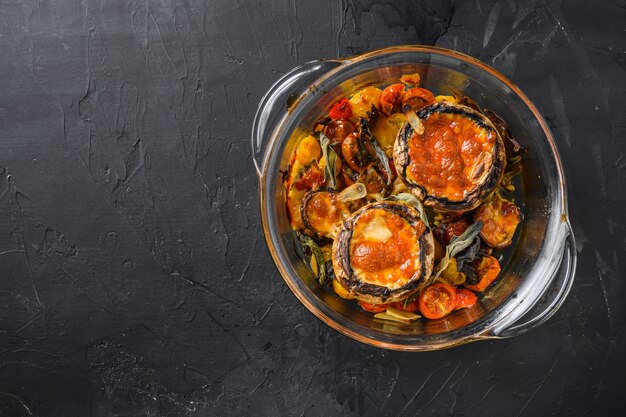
350 150
373 308
417 98
454 229
487 270
437 300
311 179
338 130
348 176
465 298
411 307
341 110
391 98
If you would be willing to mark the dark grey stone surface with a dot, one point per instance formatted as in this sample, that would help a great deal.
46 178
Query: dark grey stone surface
134 277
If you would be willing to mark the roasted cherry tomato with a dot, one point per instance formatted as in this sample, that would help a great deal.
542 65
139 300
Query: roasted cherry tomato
350 150
348 176
312 178
391 98
417 98
338 130
411 307
437 300
465 298
487 270
341 110
446 231
373 308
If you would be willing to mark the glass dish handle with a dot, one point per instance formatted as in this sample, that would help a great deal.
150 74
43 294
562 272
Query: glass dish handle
554 296
273 106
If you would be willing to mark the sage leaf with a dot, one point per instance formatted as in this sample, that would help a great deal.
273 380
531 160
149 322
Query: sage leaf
456 245
317 255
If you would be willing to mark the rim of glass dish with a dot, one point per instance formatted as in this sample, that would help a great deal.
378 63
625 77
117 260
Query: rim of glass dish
476 330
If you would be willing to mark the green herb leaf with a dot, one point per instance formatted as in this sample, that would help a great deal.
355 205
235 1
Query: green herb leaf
317 254
412 200
331 160
457 245
382 157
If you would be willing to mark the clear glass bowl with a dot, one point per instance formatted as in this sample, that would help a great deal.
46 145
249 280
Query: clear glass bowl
540 268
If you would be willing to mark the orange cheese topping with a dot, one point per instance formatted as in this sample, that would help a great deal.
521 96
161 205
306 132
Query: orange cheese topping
451 156
325 212
384 249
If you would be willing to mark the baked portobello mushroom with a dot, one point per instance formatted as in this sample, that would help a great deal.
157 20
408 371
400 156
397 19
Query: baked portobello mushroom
322 212
456 162
383 252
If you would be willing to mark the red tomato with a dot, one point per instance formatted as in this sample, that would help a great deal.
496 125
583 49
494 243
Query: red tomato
417 98
373 308
311 179
487 270
341 110
391 98
437 300
455 228
465 298
411 307
350 150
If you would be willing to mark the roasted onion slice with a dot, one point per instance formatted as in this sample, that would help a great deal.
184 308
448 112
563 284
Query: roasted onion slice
456 162
383 252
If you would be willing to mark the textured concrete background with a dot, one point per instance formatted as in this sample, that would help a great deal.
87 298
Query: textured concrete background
134 277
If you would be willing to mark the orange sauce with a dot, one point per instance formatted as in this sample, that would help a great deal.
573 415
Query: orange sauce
449 158
325 212
392 262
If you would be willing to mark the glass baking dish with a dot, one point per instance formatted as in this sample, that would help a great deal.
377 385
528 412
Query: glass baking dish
540 269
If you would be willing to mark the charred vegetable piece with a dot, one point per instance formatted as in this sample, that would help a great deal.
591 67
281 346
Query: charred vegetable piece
437 300
487 271
456 163
341 110
465 298
500 218
382 252
322 212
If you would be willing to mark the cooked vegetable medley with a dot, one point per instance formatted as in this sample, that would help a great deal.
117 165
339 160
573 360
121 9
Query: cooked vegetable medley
400 198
